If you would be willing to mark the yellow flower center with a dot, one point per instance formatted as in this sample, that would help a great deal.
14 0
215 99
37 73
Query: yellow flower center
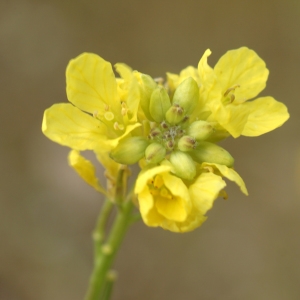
229 94
157 188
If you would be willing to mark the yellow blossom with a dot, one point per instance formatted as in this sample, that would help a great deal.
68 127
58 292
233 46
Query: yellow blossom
103 111
239 76
225 90
168 202
97 118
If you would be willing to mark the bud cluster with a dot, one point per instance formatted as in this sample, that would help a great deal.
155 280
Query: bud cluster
171 135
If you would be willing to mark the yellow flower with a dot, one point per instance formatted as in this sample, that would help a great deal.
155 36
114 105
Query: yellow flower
97 118
168 202
239 76
103 111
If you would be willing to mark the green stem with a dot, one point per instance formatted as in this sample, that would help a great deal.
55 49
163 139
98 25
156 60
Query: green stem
99 232
107 290
107 252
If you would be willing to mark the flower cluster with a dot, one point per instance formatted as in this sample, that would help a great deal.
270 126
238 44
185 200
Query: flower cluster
170 128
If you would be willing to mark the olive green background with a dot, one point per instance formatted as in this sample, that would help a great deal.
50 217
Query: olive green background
249 247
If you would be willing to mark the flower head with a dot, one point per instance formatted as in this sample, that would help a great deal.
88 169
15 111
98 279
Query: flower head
170 128
176 205
100 113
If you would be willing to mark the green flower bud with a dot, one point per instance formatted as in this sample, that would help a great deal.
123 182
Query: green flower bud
170 145
154 132
129 150
159 104
155 153
175 114
187 95
184 166
211 153
186 143
147 86
200 130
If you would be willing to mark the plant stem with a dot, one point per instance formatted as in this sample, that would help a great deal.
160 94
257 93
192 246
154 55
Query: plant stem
99 232
106 253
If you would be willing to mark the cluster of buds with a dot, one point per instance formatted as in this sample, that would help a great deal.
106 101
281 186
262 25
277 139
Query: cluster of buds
172 131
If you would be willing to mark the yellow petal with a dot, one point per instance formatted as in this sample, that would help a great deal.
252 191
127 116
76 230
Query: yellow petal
113 143
110 165
177 208
173 81
265 115
67 125
133 95
232 117
230 174
124 70
91 84
210 90
171 209
193 221
176 186
148 212
205 190
189 71
85 170
242 67
206 73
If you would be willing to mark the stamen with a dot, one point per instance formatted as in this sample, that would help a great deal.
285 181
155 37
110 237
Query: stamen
232 97
118 126
159 80
106 107
95 114
231 89
209 169
109 115
124 109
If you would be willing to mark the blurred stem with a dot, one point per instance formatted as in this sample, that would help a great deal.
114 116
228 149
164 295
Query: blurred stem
99 232
107 290
106 250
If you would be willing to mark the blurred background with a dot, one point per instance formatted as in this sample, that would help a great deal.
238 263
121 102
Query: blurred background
249 247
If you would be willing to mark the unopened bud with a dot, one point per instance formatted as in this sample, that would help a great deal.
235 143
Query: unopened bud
154 132
170 145
175 114
129 150
211 153
159 104
200 130
147 86
155 153
183 164
186 143
187 95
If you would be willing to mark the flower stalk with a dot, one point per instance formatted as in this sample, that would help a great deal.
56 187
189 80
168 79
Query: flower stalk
106 249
